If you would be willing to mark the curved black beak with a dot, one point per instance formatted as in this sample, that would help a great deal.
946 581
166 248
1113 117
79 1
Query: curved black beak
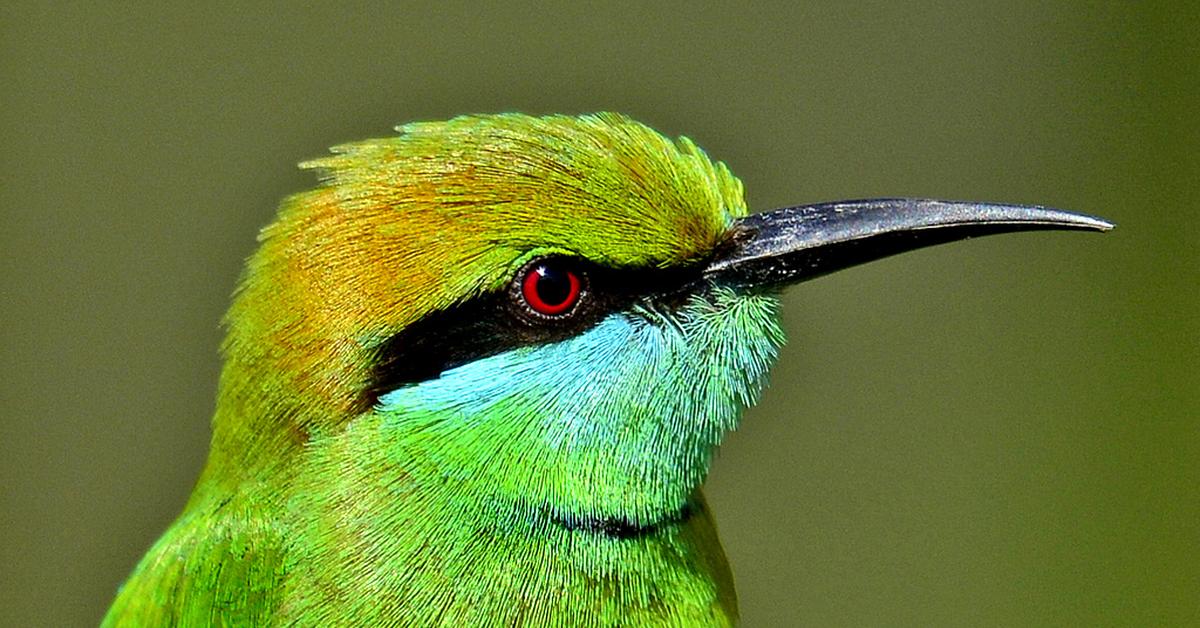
798 243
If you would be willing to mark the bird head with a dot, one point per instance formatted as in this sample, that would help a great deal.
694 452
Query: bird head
562 314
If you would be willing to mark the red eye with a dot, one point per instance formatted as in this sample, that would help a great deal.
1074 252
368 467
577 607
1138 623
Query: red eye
550 288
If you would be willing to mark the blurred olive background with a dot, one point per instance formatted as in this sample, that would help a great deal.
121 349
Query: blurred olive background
997 432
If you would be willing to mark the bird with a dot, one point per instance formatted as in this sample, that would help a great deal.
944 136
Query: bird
477 375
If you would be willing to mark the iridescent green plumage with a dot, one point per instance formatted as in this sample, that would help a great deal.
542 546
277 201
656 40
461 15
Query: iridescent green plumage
443 502
402 437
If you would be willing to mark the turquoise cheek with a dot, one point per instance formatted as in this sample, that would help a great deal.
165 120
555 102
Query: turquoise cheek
619 421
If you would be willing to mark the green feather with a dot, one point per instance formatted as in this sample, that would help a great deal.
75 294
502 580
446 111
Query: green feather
481 496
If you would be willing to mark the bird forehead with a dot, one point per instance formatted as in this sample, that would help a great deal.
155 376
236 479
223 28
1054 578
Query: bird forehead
600 186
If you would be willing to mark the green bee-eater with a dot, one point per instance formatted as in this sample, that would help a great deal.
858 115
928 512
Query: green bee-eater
477 377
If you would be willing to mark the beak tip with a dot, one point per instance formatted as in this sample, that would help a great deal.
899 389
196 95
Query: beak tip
1085 222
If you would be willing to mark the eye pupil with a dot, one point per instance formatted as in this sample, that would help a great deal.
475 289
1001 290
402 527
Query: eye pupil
550 289
554 287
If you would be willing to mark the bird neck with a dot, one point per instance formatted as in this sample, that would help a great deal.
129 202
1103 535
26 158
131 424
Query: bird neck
391 527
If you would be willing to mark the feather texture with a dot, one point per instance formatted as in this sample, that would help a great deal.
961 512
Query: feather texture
552 483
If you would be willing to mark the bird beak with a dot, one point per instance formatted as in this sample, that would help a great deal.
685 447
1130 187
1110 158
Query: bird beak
800 243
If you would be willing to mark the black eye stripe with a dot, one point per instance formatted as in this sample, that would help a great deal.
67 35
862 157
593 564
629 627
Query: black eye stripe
495 322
